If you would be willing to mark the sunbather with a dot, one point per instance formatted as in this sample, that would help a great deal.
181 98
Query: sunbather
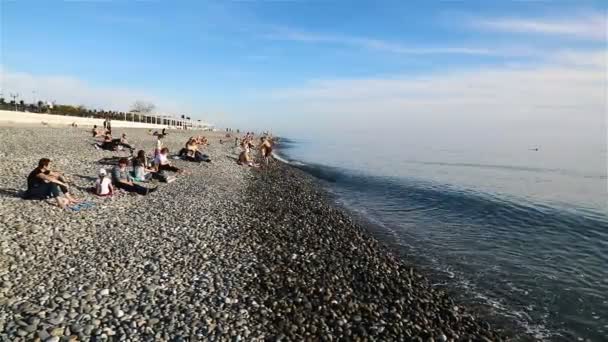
245 158
122 141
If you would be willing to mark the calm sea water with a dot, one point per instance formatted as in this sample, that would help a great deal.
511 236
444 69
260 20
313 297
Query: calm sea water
519 233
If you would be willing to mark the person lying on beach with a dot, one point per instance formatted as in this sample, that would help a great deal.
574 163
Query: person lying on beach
162 162
103 184
123 180
42 183
141 167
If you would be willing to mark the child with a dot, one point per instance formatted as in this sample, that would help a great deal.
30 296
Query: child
103 185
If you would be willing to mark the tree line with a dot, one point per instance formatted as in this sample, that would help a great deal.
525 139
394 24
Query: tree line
139 109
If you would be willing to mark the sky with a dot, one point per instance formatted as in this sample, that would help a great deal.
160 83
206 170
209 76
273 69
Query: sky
448 70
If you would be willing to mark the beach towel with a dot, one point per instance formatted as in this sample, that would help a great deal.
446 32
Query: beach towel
80 206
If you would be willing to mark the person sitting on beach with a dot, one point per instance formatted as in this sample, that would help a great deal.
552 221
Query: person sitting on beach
162 162
123 180
97 132
245 158
42 183
122 141
107 143
103 185
190 150
141 167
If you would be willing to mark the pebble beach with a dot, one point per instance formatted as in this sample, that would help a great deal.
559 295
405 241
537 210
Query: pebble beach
225 253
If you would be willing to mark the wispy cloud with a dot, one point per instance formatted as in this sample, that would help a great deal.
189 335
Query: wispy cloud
284 34
567 92
591 26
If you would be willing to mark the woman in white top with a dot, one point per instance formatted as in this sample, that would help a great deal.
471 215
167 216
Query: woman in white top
162 162
103 185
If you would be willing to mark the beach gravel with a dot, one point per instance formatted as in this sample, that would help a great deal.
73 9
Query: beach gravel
226 253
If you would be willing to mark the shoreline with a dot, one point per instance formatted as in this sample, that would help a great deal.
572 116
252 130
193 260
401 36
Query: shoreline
228 252
395 288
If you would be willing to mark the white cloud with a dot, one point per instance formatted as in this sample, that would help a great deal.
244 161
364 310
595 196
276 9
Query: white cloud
591 26
71 90
376 44
564 97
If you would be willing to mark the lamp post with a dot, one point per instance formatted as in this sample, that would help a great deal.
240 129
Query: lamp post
15 96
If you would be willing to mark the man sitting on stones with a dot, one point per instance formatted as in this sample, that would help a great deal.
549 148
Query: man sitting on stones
42 183
123 180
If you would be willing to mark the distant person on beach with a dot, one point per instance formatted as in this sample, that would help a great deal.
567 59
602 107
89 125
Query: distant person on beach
106 144
103 184
97 132
159 143
123 180
42 183
122 141
162 162
266 149
141 167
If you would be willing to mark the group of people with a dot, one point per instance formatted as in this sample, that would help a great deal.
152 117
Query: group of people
111 144
246 144
44 183
191 151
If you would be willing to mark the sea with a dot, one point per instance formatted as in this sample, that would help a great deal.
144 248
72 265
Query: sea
517 233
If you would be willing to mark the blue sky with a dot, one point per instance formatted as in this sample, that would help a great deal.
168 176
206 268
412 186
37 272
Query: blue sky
281 63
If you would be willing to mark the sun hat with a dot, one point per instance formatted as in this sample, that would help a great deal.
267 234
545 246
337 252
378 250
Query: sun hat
103 172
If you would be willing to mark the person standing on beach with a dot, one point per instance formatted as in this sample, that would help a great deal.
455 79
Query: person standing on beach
159 143
42 183
266 149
